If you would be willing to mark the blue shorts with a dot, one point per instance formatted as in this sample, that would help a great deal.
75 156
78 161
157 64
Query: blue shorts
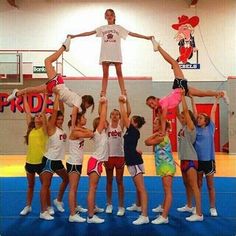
51 165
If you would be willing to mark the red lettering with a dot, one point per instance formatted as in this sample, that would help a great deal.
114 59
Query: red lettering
3 101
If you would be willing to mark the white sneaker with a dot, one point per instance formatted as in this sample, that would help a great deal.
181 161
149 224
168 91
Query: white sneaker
185 209
121 211
225 97
213 212
194 211
59 205
109 209
95 220
160 220
50 210
155 44
26 211
158 209
134 207
45 216
141 220
194 217
12 95
98 210
66 44
80 209
76 218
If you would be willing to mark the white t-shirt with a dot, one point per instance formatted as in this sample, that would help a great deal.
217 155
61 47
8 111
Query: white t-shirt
115 141
76 151
56 145
111 42
101 146
69 97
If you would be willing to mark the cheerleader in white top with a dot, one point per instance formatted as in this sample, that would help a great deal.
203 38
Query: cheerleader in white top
111 35
74 163
96 160
116 160
52 162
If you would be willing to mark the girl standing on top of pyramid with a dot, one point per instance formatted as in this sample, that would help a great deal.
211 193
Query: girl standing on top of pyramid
111 47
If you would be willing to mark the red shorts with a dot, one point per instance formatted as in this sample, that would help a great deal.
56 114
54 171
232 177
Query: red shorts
94 165
53 82
114 162
185 165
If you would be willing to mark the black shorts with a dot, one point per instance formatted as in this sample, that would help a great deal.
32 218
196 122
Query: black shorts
33 168
181 83
207 167
51 165
73 168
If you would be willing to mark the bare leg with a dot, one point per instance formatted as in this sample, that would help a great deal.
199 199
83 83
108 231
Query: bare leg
120 186
109 185
30 190
105 69
65 180
139 183
51 72
120 78
36 89
188 190
203 93
74 180
177 70
211 189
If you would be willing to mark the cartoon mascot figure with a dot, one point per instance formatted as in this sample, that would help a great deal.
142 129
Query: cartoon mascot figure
185 37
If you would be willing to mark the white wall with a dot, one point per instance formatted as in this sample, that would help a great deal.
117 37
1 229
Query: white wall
42 24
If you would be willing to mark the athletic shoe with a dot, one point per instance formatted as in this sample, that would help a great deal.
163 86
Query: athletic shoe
121 211
80 209
50 210
98 210
158 209
45 216
109 208
194 217
76 218
134 207
160 220
12 95
185 209
95 220
66 44
155 44
213 212
141 220
225 97
59 205
194 211
26 211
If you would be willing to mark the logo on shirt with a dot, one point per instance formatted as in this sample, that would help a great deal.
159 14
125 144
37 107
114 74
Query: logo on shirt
114 134
81 144
62 137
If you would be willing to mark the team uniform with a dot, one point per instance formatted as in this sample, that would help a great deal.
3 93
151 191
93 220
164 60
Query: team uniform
111 42
36 149
66 95
205 148
75 159
173 99
52 160
186 150
133 159
115 148
164 161
100 154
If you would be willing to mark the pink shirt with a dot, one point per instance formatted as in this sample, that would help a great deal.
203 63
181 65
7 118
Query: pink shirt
172 100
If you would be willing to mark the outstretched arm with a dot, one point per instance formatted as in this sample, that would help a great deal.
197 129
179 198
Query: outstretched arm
27 109
82 34
82 132
154 139
140 36
194 108
163 120
123 112
102 115
213 110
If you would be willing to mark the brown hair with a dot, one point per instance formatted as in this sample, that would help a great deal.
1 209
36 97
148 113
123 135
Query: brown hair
78 117
95 123
89 100
116 110
139 120
112 12
207 119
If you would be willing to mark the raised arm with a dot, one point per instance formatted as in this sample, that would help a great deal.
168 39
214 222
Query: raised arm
140 36
81 132
163 120
52 121
27 110
128 111
194 108
213 110
44 113
190 124
103 115
123 112
82 34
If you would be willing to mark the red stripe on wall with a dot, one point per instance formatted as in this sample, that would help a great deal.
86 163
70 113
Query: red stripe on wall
110 78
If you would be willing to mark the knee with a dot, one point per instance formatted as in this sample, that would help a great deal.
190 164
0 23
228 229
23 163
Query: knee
119 181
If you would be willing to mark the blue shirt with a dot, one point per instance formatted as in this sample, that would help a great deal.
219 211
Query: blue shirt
131 137
204 144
